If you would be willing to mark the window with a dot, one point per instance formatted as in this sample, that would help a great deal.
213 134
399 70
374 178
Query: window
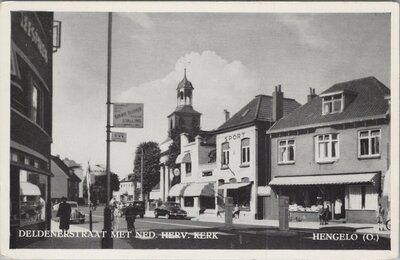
35 103
369 143
225 154
327 147
286 151
188 168
245 151
362 197
241 197
188 201
332 104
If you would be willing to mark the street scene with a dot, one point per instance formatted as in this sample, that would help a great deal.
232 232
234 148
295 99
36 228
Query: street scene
133 130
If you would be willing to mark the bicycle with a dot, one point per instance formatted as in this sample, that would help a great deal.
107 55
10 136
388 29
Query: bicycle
388 224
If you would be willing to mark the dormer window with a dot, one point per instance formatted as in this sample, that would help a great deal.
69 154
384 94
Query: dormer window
332 104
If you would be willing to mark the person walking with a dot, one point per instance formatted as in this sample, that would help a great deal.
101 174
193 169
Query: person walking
326 212
236 211
130 217
380 217
64 213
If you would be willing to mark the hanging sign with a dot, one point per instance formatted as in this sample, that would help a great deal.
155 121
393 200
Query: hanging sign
118 137
128 115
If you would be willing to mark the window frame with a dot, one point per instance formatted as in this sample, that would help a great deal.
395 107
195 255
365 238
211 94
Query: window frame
244 152
332 101
369 138
287 145
330 141
225 155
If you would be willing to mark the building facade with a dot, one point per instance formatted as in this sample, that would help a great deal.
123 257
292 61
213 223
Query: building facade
77 170
243 153
31 121
334 149
64 182
127 189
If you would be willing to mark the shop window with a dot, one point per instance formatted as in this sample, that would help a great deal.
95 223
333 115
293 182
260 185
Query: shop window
286 151
245 150
327 148
225 154
332 104
207 202
241 197
188 201
33 197
369 143
362 197
188 167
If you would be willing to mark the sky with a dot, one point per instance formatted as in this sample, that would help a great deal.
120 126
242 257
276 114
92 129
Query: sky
230 58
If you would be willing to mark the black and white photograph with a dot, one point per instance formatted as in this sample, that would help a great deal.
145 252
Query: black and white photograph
238 129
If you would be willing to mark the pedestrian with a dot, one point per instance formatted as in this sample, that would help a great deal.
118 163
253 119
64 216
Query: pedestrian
338 208
326 212
236 211
321 213
64 213
130 217
380 217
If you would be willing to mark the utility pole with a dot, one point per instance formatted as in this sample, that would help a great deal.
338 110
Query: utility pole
107 241
141 176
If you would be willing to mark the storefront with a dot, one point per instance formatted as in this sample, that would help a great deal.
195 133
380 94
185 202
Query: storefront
31 56
198 198
350 197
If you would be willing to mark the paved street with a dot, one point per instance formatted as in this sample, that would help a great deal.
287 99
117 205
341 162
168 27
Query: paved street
165 233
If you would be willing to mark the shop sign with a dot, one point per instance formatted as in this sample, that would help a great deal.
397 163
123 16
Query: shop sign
33 34
118 137
128 115
234 136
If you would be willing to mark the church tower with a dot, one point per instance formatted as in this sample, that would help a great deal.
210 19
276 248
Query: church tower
184 116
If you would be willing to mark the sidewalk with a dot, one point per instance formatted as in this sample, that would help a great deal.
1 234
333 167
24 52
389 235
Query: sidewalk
303 225
75 243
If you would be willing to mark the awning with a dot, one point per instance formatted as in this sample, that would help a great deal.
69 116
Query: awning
186 158
200 189
183 158
233 186
177 190
29 189
324 179
263 191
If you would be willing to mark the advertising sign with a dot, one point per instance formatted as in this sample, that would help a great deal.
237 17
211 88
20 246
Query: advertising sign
118 137
128 115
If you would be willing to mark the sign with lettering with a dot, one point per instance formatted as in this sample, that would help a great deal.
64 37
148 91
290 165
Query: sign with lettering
128 115
234 136
118 137
33 34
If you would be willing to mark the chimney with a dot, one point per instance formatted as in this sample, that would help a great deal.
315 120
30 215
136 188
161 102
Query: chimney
277 103
311 95
227 115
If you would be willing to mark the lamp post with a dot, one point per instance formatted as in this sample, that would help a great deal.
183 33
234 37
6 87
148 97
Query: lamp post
141 175
107 241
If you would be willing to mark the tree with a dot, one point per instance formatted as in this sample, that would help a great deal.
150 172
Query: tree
100 186
151 165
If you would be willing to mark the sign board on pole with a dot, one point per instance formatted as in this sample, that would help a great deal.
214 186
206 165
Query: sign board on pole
118 137
128 115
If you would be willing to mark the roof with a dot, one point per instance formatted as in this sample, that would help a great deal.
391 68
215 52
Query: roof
186 109
258 109
71 163
185 83
60 163
369 102
128 178
209 138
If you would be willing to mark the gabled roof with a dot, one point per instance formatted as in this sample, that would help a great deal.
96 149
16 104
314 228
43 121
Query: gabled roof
258 109
368 96
186 109
128 178
65 168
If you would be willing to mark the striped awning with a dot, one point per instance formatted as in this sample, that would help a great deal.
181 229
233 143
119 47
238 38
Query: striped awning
177 190
183 158
200 189
352 178
29 189
233 186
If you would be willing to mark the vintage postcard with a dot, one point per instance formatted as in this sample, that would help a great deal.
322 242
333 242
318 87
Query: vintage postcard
205 130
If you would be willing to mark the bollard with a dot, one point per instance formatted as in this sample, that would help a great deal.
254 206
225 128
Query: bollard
283 213
107 241
228 212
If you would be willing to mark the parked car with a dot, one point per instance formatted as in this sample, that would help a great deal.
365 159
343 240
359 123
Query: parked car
170 209
138 205
76 214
